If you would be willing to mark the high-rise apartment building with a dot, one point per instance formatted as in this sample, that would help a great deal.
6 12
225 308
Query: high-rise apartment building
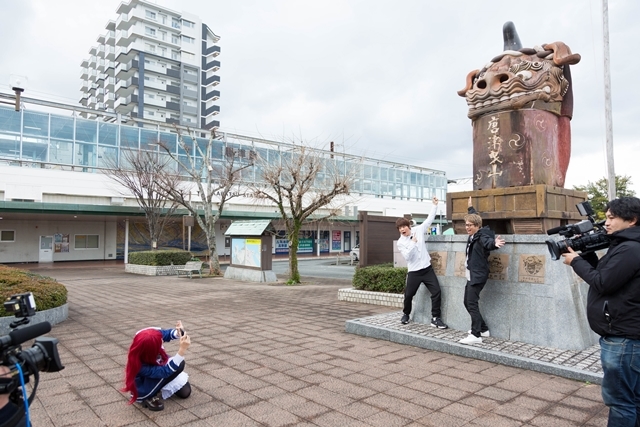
156 64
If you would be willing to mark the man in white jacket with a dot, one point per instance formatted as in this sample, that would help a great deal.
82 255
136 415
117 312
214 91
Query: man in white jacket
413 248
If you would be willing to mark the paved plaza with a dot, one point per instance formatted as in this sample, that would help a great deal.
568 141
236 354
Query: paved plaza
277 355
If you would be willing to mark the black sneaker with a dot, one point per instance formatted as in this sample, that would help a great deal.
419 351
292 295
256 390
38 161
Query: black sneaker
437 322
405 319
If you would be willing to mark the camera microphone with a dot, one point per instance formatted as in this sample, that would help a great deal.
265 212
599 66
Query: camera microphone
19 336
554 230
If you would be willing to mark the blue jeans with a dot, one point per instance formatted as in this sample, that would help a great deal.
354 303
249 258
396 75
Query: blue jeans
621 383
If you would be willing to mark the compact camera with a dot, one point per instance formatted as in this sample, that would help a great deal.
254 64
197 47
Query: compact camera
584 236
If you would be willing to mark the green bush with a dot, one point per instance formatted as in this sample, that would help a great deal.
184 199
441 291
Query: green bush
158 258
380 278
47 292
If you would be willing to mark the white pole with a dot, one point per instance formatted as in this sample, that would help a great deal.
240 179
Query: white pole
611 176
126 241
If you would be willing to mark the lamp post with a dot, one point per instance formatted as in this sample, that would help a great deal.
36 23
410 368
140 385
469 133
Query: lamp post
18 84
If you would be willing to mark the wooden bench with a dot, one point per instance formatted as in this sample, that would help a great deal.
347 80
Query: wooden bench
190 267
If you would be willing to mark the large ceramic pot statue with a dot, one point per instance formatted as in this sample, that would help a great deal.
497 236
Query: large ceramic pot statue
521 105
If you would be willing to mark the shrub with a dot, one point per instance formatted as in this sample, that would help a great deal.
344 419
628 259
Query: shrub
380 278
47 292
158 258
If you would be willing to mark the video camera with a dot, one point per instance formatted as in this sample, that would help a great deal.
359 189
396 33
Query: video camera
584 236
42 356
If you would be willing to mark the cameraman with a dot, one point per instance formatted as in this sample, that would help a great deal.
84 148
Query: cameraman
613 309
8 409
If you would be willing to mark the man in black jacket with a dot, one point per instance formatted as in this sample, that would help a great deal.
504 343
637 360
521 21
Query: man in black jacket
613 308
481 241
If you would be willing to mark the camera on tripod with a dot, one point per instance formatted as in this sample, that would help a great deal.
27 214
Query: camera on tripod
41 357
584 236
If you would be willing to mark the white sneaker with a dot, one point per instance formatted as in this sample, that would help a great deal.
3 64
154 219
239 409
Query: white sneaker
471 339
482 334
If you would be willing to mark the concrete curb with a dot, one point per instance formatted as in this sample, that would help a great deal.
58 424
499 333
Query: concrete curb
53 316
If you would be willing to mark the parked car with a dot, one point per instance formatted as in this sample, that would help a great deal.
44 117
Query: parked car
355 253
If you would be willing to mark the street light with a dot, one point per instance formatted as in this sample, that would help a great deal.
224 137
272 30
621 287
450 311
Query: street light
18 84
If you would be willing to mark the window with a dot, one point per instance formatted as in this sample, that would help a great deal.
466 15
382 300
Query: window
175 39
151 96
150 14
188 24
175 55
150 47
175 23
150 31
151 113
87 241
7 236
187 39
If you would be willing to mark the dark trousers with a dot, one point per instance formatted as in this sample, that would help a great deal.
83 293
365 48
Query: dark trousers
471 298
413 282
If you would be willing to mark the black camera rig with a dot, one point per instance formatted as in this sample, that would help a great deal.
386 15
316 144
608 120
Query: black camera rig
584 236
41 357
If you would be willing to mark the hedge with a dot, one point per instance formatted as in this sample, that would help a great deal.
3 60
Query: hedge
47 292
380 278
158 258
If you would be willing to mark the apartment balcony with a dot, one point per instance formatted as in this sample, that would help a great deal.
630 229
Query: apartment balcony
211 51
85 73
110 38
125 54
127 104
155 85
191 78
84 86
101 65
101 50
188 109
123 22
91 102
213 124
110 53
190 94
123 38
156 68
126 70
211 66
214 95
93 75
110 71
126 87
156 102
211 81
110 84
214 110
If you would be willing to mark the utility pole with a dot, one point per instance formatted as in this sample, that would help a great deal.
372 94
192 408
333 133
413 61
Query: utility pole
611 176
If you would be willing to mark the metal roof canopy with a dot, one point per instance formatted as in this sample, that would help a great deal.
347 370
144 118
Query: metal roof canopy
248 228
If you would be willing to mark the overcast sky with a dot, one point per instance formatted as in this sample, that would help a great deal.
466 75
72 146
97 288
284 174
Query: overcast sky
377 77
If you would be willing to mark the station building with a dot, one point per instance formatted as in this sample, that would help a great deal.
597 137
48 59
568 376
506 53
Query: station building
58 204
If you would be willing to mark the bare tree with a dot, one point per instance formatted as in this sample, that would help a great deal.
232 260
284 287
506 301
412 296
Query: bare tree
213 180
302 181
145 174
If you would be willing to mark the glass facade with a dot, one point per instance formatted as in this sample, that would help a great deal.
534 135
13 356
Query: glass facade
83 145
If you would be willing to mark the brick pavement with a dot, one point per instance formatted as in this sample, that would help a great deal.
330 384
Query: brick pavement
275 355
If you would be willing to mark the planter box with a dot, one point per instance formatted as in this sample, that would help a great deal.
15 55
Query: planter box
369 297
152 270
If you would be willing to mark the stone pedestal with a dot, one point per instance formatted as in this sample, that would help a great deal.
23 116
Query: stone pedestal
531 209
528 298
